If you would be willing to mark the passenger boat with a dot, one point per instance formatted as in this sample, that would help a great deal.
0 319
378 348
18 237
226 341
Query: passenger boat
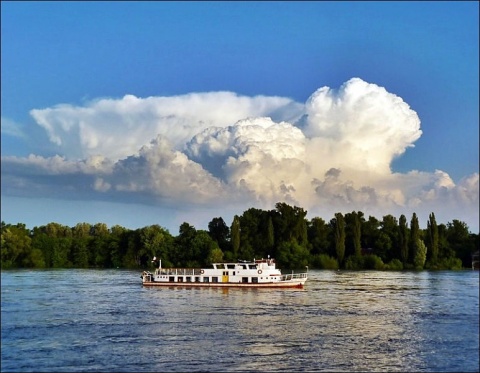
261 273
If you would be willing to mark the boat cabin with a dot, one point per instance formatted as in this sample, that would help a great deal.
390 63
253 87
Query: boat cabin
260 272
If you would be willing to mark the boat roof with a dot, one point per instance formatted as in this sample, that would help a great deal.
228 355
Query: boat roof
254 261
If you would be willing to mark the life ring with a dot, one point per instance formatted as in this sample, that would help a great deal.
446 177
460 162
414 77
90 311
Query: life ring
202 271
259 271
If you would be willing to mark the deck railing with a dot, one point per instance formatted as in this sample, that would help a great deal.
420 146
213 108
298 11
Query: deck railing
293 276
178 271
197 272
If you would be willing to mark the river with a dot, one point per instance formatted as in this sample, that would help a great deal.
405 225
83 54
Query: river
364 321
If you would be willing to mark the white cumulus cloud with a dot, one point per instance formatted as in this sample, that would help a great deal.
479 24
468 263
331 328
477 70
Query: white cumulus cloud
360 126
331 154
117 128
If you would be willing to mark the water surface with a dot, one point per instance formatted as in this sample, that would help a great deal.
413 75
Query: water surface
105 321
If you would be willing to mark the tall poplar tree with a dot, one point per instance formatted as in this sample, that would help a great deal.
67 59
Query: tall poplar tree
340 237
357 234
270 233
414 237
403 238
235 233
432 231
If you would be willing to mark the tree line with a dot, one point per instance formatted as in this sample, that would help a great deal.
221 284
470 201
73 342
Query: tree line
347 241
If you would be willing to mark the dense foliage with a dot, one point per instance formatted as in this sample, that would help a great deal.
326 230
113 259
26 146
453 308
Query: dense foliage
347 241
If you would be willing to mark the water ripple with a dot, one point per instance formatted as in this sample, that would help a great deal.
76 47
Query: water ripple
105 321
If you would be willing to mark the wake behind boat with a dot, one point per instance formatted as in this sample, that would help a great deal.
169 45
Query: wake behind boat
260 273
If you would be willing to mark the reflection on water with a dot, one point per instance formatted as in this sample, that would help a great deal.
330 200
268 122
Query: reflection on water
341 321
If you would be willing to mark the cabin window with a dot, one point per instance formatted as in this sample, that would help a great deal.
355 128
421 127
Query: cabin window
252 266
214 279
205 279
225 273
188 279
244 279
180 279
197 279
255 280
231 266
171 279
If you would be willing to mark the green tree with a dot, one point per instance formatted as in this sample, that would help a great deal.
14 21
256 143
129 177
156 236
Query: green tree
292 255
35 259
61 253
80 252
324 261
389 227
444 249
194 248
458 238
185 251
99 230
235 231
403 236
54 230
370 232
117 245
414 237
290 223
247 252
283 233
420 255
270 234
132 257
254 238
373 262
432 239
383 246
357 233
354 262
219 231
156 241
206 250
318 232
15 245
82 230
99 249
44 243
339 224
216 255
353 230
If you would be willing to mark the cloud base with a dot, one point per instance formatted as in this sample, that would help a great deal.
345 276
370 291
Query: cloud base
331 154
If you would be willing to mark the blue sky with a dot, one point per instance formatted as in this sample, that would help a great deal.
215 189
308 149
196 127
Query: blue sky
107 105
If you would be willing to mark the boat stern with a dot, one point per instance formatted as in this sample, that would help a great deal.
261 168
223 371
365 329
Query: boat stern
147 276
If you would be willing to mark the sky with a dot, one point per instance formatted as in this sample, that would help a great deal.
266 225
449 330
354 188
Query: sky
143 113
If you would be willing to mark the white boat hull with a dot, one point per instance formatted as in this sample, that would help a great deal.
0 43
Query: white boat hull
254 274
283 284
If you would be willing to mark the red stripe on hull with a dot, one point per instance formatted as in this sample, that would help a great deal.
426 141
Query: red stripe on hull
223 285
